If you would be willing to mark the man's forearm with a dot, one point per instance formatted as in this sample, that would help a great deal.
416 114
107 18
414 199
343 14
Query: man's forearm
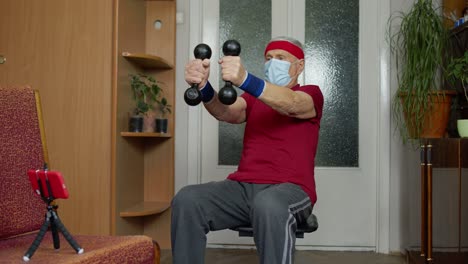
281 99
288 102
234 113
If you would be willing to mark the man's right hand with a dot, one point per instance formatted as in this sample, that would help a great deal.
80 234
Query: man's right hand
197 71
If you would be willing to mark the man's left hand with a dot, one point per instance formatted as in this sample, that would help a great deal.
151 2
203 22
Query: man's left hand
232 70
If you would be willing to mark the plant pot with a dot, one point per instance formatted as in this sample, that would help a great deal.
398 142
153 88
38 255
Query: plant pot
161 125
435 119
135 124
462 127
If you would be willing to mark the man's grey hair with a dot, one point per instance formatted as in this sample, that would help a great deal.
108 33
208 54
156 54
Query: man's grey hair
289 39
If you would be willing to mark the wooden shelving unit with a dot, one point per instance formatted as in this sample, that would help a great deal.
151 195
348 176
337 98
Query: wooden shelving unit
143 165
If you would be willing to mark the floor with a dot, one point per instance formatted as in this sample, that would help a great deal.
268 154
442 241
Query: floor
439 257
248 256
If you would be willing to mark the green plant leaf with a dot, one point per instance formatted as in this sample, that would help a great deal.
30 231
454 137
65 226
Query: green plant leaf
417 39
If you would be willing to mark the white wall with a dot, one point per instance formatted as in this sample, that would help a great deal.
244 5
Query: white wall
181 130
398 171
403 161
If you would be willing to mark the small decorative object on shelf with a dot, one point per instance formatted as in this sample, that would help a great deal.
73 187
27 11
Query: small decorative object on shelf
145 90
161 121
462 126
135 123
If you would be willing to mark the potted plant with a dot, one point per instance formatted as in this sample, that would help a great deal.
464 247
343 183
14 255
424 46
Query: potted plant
457 71
161 121
418 45
145 91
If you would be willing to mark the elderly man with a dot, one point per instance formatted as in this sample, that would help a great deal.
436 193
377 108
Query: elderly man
274 187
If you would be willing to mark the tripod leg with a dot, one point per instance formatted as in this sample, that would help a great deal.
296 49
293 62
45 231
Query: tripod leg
55 234
38 239
66 234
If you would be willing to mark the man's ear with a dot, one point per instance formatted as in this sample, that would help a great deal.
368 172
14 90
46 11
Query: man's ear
300 66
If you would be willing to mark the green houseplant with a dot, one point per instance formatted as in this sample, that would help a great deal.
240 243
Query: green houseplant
162 121
457 72
418 44
145 93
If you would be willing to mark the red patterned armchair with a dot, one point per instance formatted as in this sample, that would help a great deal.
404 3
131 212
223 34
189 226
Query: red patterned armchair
22 147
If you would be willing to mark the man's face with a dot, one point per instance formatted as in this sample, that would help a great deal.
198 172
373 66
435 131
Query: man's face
296 65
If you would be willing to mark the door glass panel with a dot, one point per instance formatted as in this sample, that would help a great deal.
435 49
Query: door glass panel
248 22
332 62
332 55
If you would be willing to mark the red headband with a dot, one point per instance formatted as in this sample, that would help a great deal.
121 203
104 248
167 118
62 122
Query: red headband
286 46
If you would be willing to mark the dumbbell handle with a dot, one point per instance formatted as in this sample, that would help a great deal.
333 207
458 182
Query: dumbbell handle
228 95
192 95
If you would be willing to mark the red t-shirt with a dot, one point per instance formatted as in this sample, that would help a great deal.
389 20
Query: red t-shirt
278 148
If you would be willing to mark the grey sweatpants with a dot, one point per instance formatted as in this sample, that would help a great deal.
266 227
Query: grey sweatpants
272 209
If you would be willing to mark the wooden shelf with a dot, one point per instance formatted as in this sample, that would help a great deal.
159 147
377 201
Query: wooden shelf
145 208
145 134
147 61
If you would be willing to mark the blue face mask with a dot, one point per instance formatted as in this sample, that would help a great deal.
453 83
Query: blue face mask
277 72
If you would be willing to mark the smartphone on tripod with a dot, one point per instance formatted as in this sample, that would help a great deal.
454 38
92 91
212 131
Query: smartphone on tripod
47 184
50 185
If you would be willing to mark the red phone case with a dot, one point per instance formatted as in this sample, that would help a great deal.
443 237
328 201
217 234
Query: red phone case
56 182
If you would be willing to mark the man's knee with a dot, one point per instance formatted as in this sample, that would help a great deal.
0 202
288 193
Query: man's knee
185 198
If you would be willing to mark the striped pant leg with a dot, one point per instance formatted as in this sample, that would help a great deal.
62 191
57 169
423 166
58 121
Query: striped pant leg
198 209
274 215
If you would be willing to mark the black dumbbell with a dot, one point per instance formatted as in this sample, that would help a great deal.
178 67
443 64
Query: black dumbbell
228 95
192 95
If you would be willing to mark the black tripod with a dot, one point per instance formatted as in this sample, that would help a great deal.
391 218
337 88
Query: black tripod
52 220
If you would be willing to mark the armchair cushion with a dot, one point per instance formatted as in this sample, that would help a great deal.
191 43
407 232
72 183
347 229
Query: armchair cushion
98 249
